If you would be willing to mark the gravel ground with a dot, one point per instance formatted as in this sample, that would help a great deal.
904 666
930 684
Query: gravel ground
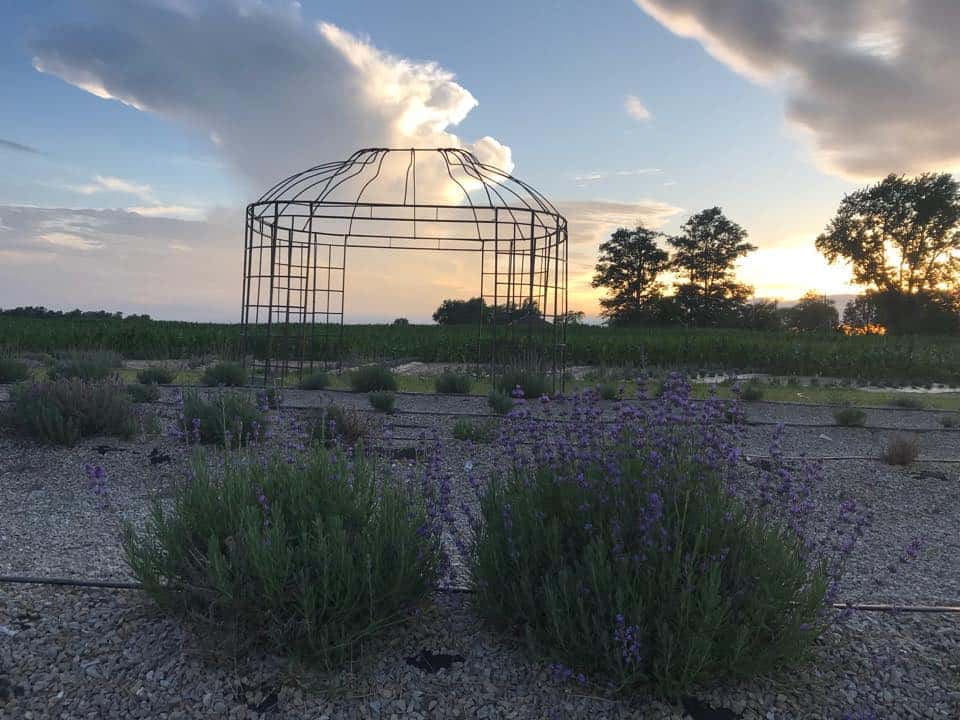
71 653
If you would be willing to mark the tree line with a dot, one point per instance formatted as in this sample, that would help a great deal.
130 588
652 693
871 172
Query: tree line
900 236
38 311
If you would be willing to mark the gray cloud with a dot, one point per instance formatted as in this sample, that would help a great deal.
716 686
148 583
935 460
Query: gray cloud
873 82
275 93
120 260
19 147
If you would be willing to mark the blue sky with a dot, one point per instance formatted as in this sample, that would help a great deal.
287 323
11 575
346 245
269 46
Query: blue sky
729 124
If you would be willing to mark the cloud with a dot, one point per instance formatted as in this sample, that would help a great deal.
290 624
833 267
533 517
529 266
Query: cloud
276 92
69 240
19 147
595 175
587 218
871 82
120 260
590 222
107 183
636 109
182 212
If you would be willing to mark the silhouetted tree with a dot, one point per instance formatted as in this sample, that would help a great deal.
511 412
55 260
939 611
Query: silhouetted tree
630 263
931 311
899 235
813 312
458 312
705 251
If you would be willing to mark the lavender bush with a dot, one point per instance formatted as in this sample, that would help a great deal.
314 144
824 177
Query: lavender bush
314 557
224 374
337 424
229 419
639 548
60 412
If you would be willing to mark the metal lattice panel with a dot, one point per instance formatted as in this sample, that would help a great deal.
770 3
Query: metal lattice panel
300 232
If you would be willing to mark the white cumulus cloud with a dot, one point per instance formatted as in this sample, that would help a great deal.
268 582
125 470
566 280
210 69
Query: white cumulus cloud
277 92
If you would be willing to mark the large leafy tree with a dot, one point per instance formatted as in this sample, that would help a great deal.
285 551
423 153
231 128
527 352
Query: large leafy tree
901 235
705 252
628 268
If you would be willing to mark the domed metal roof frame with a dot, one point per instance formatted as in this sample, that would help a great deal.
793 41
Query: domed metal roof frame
299 232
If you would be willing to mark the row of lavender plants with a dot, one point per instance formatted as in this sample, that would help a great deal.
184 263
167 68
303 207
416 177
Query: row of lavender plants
637 550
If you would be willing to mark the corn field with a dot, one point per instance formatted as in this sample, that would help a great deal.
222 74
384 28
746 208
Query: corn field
893 359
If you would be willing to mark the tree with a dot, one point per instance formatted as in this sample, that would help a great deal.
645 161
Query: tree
901 235
708 246
931 311
459 312
630 263
813 312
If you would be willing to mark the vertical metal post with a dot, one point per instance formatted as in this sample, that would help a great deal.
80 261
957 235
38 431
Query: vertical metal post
286 320
496 291
245 305
306 295
343 302
273 272
533 257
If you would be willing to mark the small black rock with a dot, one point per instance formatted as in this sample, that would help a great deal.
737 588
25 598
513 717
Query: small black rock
158 458
699 710
431 663
104 449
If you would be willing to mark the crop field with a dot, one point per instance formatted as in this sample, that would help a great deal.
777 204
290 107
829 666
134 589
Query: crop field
892 359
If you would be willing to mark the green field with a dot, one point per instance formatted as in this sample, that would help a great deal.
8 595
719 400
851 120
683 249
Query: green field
891 359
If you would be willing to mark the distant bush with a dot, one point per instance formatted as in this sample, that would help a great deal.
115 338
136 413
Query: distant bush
317 380
382 400
849 417
608 391
474 431
156 375
451 383
499 402
13 370
532 384
228 419
144 393
907 402
901 450
372 377
60 412
336 423
752 392
313 559
950 421
87 365
224 375
400 322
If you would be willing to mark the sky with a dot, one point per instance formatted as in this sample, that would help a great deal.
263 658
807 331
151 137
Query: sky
133 133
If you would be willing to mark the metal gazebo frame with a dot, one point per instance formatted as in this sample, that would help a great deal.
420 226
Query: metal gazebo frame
299 232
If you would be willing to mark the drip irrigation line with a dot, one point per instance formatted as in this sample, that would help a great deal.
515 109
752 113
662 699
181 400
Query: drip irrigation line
446 589
751 456
71 582
468 396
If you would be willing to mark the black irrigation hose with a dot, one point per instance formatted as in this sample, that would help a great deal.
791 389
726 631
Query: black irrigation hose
449 589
